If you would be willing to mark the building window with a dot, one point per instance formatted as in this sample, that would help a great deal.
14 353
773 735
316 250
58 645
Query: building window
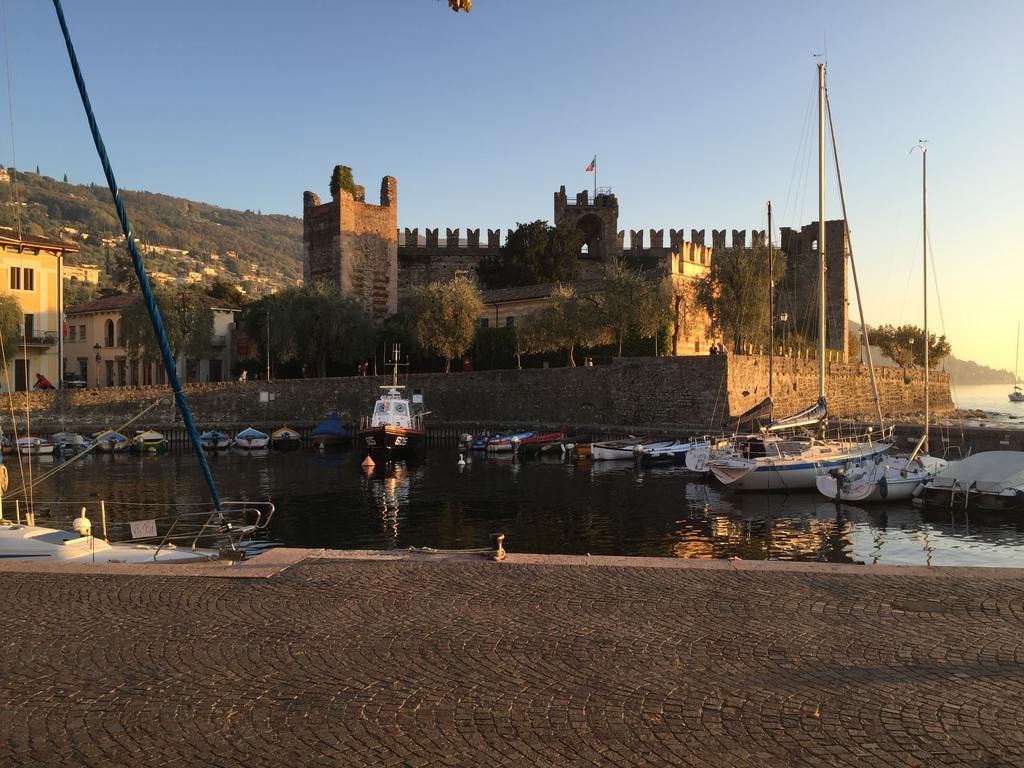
30 326
484 322
108 333
15 278
30 279
81 333
510 321
72 333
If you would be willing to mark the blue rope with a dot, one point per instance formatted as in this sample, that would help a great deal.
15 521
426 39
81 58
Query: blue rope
140 271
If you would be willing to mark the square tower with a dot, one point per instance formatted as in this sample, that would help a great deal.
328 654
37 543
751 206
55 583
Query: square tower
597 219
354 245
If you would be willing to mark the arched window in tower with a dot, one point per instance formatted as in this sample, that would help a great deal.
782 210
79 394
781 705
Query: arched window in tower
592 228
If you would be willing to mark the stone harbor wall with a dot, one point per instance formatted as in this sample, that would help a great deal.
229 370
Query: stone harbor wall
685 393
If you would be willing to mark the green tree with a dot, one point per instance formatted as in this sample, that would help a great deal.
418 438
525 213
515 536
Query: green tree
342 179
534 253
225 291
633 301
570 321
734 293
903 344
315 326
445 317
12 325
187 318
78 292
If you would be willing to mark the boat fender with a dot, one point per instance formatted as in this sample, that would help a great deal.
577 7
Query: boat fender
4 478
81 524
883 485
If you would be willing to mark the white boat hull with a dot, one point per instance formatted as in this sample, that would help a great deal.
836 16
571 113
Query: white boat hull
50 545
608 452
252 443
786 473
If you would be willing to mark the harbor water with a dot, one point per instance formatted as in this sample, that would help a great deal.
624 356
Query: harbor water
545 506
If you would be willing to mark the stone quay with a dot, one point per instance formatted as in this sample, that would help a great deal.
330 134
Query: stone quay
400 659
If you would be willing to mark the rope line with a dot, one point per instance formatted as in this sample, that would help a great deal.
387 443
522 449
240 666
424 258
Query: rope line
10 113
140 271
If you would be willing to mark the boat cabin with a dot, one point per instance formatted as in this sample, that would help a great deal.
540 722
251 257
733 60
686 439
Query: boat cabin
394 409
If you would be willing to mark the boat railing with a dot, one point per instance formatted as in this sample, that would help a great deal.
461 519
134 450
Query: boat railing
225 529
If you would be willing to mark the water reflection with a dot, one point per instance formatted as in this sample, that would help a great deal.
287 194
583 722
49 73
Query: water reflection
327 500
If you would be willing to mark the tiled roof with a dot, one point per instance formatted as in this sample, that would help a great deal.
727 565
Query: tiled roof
10 237
122 300
539 291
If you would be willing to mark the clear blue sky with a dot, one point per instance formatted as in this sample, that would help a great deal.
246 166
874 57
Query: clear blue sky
697 113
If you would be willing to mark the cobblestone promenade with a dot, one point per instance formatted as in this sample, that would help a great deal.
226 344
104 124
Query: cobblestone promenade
454 662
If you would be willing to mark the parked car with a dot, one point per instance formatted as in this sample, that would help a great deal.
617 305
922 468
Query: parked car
74 381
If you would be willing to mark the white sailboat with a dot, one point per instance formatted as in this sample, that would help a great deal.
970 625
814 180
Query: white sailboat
1017 396
770 462
891 478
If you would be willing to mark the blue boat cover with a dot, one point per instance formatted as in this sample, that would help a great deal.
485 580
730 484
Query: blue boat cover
331 427
810 415
249 434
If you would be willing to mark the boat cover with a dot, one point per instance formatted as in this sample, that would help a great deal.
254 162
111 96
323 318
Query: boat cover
331 427
760 411
988 471
809 416
250 434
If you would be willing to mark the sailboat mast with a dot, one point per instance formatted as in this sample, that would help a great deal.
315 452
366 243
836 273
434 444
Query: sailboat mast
1016 356
822 267
771 304
924 227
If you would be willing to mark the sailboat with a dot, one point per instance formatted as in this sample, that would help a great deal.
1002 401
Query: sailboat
770 461
172 538
890 478
1017 396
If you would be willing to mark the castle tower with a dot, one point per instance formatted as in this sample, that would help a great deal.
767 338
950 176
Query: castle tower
801 250
597 219
354 245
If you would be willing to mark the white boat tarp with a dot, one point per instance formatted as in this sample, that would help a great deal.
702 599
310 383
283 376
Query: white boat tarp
762 410
988 471
809 416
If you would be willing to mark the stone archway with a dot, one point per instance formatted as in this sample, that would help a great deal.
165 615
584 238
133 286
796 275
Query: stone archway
592 228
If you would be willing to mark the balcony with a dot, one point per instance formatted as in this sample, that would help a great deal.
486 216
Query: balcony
38 340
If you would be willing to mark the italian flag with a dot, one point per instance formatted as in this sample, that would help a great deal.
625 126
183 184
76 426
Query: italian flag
593 165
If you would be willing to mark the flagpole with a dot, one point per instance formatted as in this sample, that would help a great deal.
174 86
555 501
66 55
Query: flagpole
595 177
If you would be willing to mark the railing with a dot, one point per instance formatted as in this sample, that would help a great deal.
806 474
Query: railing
38 340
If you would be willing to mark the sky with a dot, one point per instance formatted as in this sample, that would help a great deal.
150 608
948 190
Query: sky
698 113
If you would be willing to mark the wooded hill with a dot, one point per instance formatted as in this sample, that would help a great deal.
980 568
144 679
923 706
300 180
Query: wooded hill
253 249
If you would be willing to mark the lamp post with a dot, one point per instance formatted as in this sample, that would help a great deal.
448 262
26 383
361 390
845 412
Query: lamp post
96 349
911 342
783 318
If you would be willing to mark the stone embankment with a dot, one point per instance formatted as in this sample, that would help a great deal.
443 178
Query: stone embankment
388 659
672 393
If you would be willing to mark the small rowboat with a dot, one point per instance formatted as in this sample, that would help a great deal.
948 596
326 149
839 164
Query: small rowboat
285 439
111 442
250 438
214 440
617 450
666 452
507 443
552 441
149 441
34 446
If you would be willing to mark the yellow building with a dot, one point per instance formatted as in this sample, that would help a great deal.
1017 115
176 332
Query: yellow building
95 349
30 270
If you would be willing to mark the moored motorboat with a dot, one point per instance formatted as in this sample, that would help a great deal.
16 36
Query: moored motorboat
330 433
69 442
34 446
882 478
111 442
215 440
285 439
990 480
148 441
251 438
395 429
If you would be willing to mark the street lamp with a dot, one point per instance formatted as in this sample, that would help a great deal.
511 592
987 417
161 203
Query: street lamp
911 342
783 318
96 349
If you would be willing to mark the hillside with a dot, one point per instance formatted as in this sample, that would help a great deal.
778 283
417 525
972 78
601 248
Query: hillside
179 236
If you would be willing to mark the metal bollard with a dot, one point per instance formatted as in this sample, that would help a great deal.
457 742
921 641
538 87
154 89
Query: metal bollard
497 548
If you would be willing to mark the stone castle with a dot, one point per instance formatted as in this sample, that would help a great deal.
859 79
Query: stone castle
359 246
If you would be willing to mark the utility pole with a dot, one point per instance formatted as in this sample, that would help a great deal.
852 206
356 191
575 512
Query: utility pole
268 345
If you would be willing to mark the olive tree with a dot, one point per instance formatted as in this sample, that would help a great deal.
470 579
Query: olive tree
445 316
569 321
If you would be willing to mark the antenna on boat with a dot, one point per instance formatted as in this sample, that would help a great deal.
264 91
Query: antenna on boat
140 270
771 304
822 263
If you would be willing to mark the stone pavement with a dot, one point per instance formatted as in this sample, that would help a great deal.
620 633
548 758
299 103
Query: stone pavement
535 661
